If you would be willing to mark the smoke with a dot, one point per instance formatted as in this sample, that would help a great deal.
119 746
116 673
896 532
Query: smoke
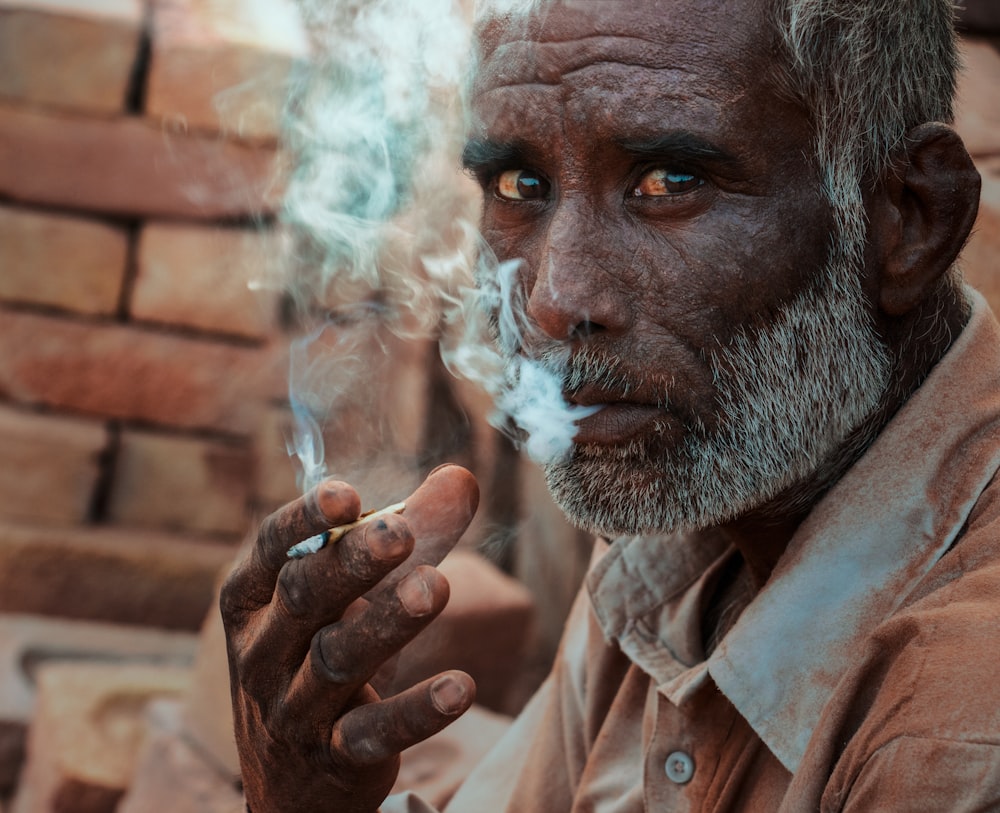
526 390
383 223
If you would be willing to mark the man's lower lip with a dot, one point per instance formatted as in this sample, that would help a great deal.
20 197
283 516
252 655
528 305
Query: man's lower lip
617 423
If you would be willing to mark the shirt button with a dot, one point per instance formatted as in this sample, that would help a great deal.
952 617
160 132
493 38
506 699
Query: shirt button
679 768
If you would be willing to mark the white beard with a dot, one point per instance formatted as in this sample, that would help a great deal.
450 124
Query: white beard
789 397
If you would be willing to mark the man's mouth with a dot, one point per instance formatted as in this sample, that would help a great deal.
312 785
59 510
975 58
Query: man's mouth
618 423
619 417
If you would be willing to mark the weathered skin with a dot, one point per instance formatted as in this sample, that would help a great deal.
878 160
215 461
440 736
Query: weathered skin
657 279
308 636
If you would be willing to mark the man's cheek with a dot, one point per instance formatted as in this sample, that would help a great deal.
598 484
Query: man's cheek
507 246
511 241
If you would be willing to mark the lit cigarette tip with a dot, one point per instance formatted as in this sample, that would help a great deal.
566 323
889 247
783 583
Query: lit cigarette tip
314 543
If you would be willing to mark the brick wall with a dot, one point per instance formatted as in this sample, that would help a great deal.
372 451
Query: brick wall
139 177
141 380
143 377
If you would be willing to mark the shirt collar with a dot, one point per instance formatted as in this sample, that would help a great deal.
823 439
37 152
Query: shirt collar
860 552
647 592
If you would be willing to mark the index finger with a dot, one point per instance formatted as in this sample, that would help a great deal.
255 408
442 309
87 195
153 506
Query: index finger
438 513
330 503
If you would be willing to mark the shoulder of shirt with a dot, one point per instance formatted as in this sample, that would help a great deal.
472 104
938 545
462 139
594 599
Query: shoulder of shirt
922 775
925 692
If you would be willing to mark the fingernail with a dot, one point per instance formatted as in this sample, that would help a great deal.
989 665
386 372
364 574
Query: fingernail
336 502
415 595
383 541
448 694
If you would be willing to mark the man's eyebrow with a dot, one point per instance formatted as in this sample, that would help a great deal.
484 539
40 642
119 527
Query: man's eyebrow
483 152
680 145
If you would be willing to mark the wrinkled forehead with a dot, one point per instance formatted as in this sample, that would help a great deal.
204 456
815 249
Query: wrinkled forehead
555 38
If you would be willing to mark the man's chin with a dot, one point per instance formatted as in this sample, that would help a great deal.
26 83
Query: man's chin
631 490
616 495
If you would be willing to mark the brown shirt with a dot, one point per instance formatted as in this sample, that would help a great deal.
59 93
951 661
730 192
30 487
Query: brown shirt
865 676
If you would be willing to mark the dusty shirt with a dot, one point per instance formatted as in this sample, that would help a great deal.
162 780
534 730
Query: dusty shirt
865 676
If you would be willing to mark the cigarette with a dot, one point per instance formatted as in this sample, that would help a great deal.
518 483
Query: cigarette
315 543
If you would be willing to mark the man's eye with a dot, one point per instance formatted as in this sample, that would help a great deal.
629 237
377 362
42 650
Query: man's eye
661 182
521 184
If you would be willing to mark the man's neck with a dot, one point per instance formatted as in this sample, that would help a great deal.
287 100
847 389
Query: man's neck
761 540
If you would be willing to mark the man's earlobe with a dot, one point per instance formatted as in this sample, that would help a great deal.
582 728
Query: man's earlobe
935 198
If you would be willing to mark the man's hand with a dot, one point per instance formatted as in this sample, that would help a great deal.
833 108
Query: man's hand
307 636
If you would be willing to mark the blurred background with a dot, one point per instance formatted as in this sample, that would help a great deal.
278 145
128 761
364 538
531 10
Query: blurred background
145 338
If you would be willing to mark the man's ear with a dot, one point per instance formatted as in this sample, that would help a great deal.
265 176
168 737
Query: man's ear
927 211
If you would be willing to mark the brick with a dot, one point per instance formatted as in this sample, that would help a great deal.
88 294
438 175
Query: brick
369 391
48 466
128 167
111 575
88 727
76 54
275 471
550 559
119 371
181 484
980 260
64 262
29 641
224 65
977 115
173 775
379 385
486 453
206 716
484 630
201 277
436 767
12 739
406 389
26 642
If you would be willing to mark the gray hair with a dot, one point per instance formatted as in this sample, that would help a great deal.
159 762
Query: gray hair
868 71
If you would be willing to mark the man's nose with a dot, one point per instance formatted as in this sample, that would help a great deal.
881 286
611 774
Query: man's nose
579 287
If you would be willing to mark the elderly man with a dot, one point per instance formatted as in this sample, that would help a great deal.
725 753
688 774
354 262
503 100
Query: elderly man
741 217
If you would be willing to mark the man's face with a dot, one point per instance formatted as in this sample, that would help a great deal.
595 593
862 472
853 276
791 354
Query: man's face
664 199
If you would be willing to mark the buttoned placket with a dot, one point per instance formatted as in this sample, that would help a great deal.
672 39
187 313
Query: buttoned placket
672 777
691 722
